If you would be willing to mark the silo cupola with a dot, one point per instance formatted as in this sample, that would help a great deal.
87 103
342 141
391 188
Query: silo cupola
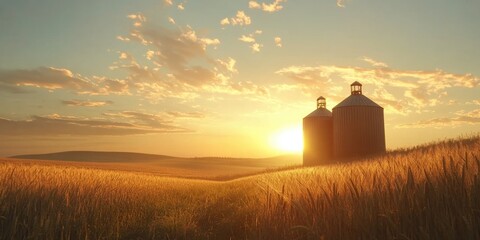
356 88
321 102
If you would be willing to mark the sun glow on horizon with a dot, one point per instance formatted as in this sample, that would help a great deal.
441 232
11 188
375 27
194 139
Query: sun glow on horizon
288 140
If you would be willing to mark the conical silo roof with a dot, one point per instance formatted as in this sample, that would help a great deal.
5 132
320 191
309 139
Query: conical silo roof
320 112
357 100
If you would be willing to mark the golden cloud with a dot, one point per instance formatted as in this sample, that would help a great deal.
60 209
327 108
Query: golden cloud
419 89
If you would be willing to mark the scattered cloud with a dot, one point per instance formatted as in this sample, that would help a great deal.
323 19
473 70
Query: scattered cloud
272 7
181 6
123 55
240 19
229 64
341 3
278 41
107 86
123 39
254 5
247 39
139 19
402 91
180 65
256 47
86 103
225 21
150 54
178 49
168 2
250 38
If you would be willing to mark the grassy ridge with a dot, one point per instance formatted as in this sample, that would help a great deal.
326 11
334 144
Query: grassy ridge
428 192
205 168
431 192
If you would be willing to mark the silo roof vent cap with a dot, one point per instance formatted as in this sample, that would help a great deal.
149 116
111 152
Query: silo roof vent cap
321 102
356 88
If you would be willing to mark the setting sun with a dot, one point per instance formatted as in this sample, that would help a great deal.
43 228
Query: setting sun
288 139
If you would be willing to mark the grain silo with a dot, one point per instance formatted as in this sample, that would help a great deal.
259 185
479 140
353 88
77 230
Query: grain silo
317 135
358 126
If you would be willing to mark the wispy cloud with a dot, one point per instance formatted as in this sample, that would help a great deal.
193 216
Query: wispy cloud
178 114
153 120
475 102
341 3
460 118
24 80
44 77
56 125
374 63
86 103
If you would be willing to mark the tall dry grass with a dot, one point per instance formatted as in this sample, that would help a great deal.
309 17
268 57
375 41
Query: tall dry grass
427 192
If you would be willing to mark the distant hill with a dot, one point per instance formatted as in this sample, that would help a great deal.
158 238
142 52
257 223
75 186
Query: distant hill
131 157
94 156
202 167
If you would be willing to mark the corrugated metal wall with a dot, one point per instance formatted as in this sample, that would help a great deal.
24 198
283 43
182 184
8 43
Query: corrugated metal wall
358 131
318 140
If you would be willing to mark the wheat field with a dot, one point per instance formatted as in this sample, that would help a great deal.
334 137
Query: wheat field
426 192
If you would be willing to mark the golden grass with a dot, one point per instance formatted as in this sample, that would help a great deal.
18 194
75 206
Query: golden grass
428 192
204 168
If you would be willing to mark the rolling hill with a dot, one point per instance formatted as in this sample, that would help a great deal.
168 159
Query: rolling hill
204 167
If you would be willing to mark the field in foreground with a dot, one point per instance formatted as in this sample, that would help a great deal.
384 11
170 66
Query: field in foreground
427 192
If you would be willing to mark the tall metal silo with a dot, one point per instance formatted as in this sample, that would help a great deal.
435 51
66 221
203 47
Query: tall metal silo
317 135
358 126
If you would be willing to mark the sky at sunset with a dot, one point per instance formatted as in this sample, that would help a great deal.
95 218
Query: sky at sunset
229 78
